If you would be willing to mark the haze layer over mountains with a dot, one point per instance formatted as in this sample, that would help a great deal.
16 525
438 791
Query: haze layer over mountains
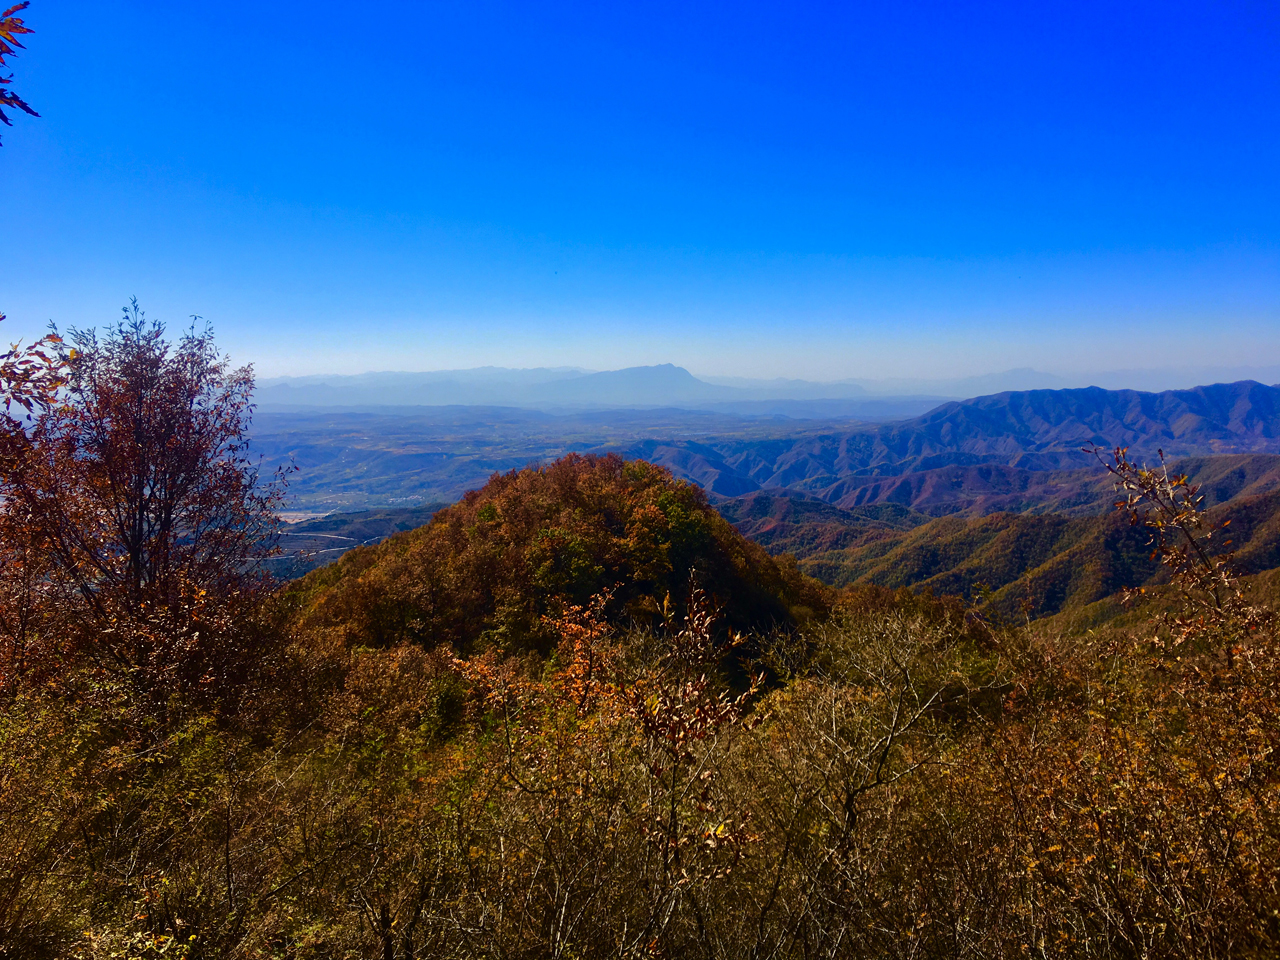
565 389
667 385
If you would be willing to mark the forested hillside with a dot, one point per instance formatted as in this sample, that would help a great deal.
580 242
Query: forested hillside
491 569
1036 561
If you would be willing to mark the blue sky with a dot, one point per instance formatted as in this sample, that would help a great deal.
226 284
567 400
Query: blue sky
810 190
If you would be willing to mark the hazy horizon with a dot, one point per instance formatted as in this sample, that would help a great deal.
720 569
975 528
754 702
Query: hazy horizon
1023 378
1235 372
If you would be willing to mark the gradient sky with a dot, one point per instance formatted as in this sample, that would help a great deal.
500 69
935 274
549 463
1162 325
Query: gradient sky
811 190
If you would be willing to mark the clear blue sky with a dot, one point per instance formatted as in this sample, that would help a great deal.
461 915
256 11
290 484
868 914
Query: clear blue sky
815 190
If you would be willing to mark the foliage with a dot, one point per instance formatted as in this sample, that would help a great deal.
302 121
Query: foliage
30 378
10 28
132 517
921 785
1182 537
486 571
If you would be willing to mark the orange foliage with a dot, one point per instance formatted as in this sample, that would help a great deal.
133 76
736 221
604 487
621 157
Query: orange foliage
10 28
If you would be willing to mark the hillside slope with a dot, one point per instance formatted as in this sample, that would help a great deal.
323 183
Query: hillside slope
803 526
992 488
489 569
995 446
1037 563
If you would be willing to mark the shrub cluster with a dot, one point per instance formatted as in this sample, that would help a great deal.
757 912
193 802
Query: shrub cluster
918 786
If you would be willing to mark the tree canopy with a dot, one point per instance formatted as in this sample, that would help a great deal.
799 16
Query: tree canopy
491 568
132 511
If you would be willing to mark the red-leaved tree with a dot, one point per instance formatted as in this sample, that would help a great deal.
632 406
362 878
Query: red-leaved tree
129 492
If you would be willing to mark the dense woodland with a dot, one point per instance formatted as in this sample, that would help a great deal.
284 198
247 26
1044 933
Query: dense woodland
578 714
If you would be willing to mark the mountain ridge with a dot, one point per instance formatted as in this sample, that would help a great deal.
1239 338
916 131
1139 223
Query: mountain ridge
666 384
967 452
1032 564
1031 431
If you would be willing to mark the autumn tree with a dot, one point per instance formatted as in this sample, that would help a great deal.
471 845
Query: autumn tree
132 488
30 377
1194 550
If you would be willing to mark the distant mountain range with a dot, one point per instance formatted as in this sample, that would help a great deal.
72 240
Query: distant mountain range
570 390
1018 450
565 389
665 385
999 445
